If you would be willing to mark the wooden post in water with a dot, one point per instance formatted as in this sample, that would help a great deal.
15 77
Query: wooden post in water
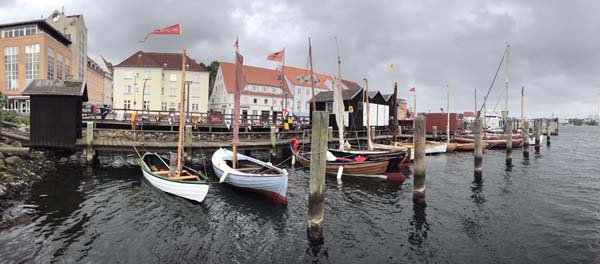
434 132
548 135
525 132
537 133
320 122
172 164
419 169
273 143
478 150
509 133
89 139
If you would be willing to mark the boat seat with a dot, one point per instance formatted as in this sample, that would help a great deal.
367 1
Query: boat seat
160 172
248 169
190 177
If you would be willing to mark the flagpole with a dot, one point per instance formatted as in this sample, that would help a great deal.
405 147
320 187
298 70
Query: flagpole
476 103
506 84
448 110
522 105
395 113
181 112
369 143
282 88
414 107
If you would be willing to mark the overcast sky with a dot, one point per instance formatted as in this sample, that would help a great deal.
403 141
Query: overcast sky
554 43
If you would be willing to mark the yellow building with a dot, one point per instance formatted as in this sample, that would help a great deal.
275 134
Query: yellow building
31 50
73 28
152 81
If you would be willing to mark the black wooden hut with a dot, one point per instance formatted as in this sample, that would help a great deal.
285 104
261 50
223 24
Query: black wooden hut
352 103
55 118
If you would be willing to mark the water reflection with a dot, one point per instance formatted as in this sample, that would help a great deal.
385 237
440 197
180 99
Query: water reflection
418 234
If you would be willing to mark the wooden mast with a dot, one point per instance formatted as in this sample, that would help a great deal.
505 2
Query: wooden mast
448 110
369 143
506 84
181 117
312 81
522 105
283 101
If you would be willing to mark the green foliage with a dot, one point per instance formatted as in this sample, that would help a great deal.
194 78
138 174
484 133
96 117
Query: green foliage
2 100
13 117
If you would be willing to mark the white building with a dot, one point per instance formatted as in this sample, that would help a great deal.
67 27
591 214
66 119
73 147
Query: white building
261 95
152 81
299 82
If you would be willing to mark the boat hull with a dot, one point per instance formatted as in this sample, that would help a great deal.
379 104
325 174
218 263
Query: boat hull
271 185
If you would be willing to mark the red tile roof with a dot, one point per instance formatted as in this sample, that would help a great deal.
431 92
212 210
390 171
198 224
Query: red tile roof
252 75
168 61
301 77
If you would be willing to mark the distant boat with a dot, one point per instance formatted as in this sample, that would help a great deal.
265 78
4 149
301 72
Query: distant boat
192 186
251 174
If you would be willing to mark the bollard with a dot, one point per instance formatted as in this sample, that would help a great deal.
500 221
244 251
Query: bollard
434 132
320 121
478 150
525 132
536 134
548 135
419 167
89 133
273 143
509 133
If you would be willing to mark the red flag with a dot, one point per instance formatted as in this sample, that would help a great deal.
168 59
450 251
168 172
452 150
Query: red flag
276 56
170 30
236 45
412 89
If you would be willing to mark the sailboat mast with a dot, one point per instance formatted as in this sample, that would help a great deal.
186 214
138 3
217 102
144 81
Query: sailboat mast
338 97
448 110
506 87
239 60
181 112
283 88
369 142
522 105
475 102
312 81
395 113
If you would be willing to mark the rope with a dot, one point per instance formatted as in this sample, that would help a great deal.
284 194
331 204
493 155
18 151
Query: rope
492 84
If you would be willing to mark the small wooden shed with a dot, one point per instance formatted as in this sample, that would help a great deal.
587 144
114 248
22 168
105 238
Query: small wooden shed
55 117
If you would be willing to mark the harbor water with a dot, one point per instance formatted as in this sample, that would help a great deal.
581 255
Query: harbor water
542 210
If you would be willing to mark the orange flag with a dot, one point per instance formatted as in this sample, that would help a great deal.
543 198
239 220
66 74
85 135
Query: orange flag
276 56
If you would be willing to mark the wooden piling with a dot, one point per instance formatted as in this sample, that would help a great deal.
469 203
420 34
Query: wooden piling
273 143
548 135
320 122
537 134
172 163
434 132
89 150
478 150
419 169
525 132
509 133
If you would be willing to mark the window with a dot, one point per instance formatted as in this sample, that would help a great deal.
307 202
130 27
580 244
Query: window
163 106
254 112
128 75
147 75
50 64
11 68
329 107
146 105
32 63
264 88
195 78
68 74
162 90
195 93
307 91
19 31
172 107
59 71
266 101
299 105
299 91
127 89
127 104
147 90
195 107
213 100
255 100
173 77
173 91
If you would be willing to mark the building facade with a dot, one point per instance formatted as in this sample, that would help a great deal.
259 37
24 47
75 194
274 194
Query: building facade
152 81
299 82
73 28
31 50
99 83
264 95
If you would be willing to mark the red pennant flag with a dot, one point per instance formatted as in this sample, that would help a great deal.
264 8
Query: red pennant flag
170 30
276 56
412 89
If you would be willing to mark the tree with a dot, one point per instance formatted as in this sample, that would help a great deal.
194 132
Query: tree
212 69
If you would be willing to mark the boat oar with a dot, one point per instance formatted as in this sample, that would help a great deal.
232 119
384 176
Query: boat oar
223 177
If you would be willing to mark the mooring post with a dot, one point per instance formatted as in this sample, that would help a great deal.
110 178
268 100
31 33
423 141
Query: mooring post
419 169
188 141
273 143
478 150
537 133
548 135
320 121
525 132
434 132
509 133
89 139
172 163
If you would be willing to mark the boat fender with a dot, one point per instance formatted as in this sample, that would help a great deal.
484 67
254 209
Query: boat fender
360 158
223 177
339 173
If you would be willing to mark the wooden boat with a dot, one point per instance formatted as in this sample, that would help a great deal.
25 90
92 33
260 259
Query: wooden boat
490 143
251 174
450 147
193 186
430 148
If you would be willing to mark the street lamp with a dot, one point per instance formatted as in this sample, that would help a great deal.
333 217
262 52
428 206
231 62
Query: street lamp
143 96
